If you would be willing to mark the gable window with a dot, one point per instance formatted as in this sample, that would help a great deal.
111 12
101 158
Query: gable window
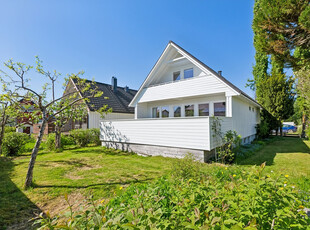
177 76
188 73
177 111
203 109
189 110
155 112
165 111
219 109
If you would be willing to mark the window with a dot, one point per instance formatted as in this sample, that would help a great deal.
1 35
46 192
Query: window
155 112
165 111
253 109
188 73
219 109
177 111
203 109
189 110
176 76
250 108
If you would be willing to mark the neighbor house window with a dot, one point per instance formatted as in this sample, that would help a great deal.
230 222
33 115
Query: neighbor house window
165 111
189 110
177 76
177 111
155 112
219 109
203 109
188 73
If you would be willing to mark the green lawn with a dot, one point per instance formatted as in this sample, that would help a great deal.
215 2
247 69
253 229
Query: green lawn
101 172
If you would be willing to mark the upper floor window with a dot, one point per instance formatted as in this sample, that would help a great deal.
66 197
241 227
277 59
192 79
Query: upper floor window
155 112
219 109
165 111
203 109
188 73
189 110
177 76
177 111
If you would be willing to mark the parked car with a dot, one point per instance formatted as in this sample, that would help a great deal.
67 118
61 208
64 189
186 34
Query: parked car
289 128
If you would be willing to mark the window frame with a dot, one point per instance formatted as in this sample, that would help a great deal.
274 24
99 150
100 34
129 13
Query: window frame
214 108
205 103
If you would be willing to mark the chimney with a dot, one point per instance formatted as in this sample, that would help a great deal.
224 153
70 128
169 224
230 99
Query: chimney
126 89
114 84
219 72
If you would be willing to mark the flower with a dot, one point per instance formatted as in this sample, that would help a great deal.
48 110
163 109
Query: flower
222 173
234 175
120 188
190 180
281 188
226 168
301 207
102 201
286 176
285 182
284 185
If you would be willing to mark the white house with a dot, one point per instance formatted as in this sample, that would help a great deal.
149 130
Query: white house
115 97
175 109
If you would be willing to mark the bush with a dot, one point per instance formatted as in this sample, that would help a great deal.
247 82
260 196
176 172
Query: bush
82 137
223 199
9 129
65 140
14 143
262 129
186 168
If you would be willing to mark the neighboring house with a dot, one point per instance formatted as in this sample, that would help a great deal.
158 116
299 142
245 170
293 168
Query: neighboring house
117 98
175 109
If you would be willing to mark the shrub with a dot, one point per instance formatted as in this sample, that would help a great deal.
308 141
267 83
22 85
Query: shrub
9 129
14 143
223 199
186 168
262 129
81 136
65 140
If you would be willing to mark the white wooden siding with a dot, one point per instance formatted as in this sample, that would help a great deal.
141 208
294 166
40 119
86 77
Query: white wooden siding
244 120
197 86
226 124
191 133
95 118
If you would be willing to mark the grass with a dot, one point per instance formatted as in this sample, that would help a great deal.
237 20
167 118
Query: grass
101 172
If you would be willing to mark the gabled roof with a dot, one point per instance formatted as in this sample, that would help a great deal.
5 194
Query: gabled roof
118 100
198 63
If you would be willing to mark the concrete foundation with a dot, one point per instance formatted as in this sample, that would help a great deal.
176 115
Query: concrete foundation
153 150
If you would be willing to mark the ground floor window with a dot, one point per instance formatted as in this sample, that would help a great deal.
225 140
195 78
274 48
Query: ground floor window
155 112
203 109
220 109
177 111
189 110
165 111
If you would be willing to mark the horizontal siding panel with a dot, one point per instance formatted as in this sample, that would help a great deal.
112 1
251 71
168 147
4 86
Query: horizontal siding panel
192 133
192 87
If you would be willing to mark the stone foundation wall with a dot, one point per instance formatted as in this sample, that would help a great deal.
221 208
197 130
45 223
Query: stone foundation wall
153 150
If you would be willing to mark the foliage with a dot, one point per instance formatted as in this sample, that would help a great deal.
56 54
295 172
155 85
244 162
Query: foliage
281 27
82 137
14 143
65 140
231 143
9 129
262 129
224 199
186 168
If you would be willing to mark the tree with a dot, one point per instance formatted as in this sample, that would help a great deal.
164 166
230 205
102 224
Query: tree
278 96
46 107
283 26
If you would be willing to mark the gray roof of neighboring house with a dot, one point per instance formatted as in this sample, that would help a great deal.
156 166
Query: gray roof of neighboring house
118 100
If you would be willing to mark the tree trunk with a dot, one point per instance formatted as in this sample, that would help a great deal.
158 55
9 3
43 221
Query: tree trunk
57 138
34 154
303 133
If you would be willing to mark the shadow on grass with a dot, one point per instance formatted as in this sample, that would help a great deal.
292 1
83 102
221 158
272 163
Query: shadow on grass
103 150
15 208
270 150
94 185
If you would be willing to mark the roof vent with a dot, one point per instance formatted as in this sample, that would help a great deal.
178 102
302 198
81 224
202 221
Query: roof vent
114 84
219 72
126 89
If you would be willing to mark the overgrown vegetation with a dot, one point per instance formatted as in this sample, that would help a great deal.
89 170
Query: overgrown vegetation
14 143
82 137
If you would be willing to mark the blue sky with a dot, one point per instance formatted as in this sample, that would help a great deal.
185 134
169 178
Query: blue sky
125 38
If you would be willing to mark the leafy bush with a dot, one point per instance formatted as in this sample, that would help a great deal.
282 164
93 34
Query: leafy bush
14 143
9 129
82 137
262 129
186 168
307 132
65 140
223 199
